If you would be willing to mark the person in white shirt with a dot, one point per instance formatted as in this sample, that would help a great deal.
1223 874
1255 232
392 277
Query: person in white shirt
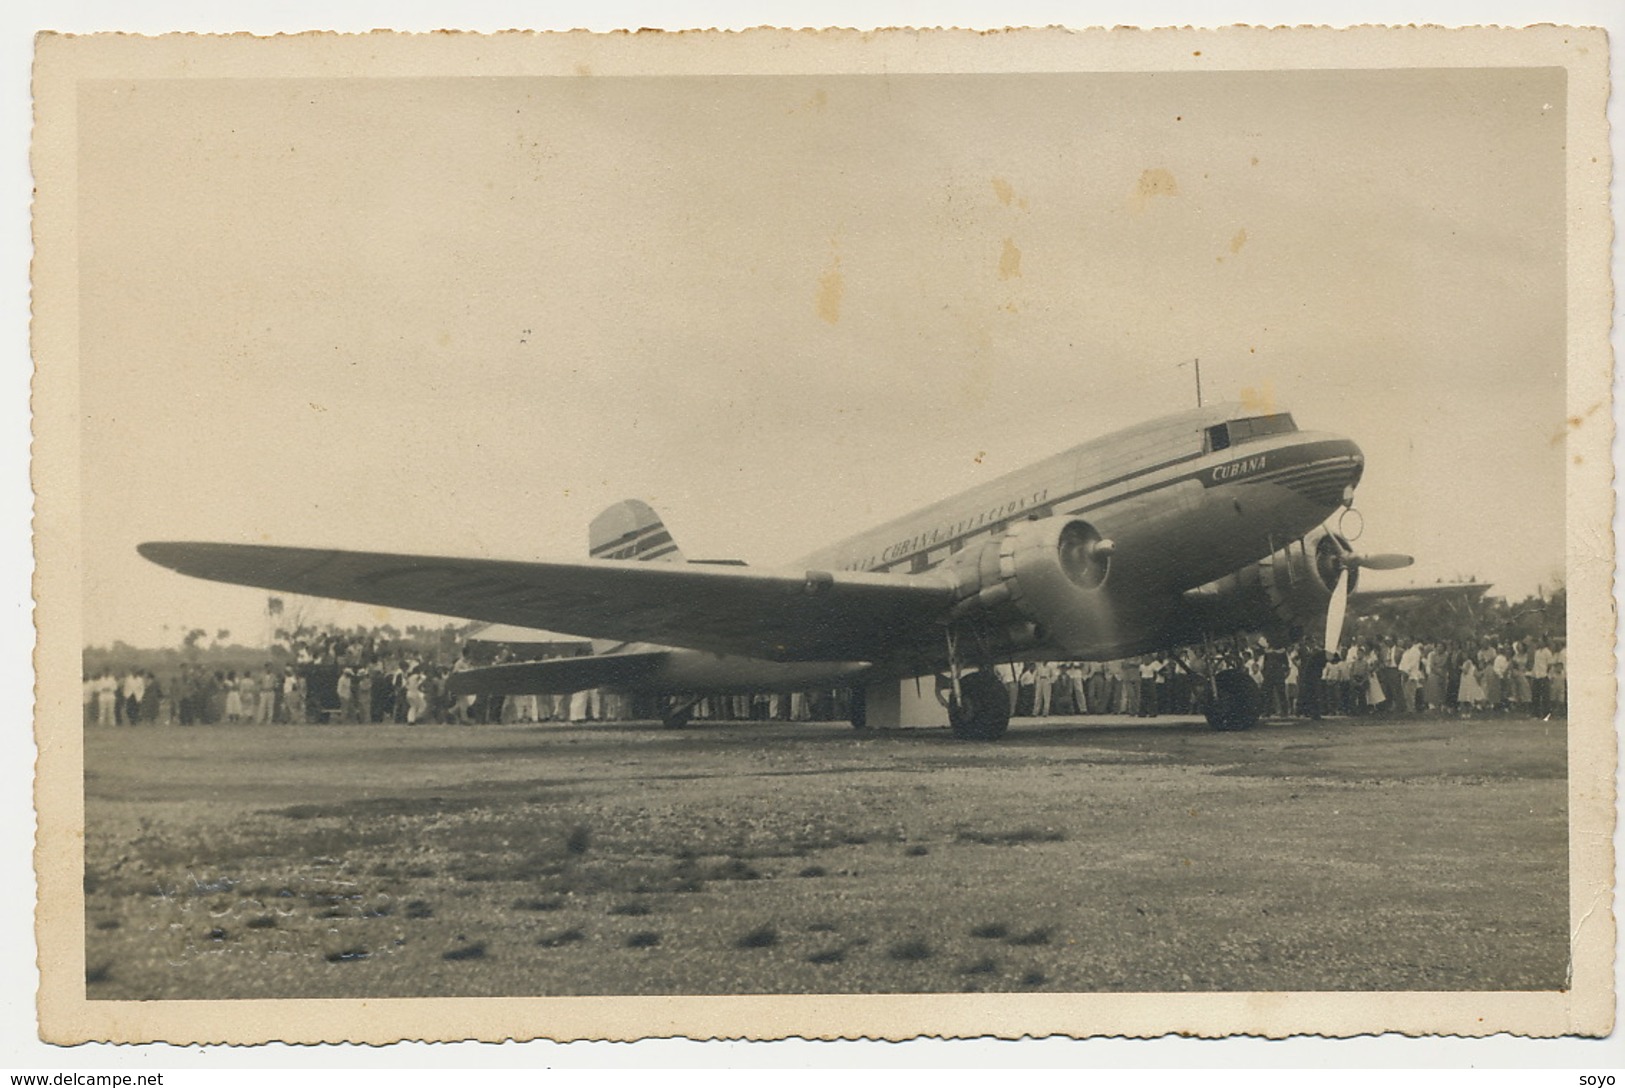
1540 679
1411 676
1043 687
106 698
1557 680
1075 677
132 688
1150 674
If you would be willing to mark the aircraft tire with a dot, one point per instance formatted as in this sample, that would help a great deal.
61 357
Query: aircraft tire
1237 705
985 712
676 720
859 711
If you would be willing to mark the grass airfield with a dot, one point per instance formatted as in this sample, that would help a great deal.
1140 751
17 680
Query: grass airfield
1075 855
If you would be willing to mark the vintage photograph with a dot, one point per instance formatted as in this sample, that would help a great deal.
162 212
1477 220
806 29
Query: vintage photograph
1055 527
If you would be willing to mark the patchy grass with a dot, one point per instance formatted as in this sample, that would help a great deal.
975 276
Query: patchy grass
540 905
760 937
993 931
643 939
474 951
108 923
732 869
417 908
263 921
562 938
814 870
987 965
1017 837
827 956
1031 938
634 909
1034 978
99 973
910 951
579 840
917 851
348 955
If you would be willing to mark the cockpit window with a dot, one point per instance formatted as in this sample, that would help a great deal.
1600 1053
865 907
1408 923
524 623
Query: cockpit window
1241 430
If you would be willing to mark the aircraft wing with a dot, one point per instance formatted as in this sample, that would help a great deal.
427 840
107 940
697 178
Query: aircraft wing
557 676
1368 600
778 615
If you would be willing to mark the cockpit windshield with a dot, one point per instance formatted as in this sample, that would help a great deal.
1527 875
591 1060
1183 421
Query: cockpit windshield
1224 435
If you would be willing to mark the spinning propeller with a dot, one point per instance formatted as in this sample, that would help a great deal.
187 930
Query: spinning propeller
1339 565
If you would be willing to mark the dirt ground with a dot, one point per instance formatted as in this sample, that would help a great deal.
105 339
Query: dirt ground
1079 855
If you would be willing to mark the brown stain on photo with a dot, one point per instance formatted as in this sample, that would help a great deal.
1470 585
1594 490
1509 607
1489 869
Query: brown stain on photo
1260 400
1155 181
1238 241
816 103
831 286
1009 261
1003 190
1574 423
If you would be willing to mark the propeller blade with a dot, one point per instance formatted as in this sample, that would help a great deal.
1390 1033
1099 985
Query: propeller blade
1335 611
1381 561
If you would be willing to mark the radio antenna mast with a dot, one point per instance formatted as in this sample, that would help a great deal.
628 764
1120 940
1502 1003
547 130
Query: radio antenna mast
1197 363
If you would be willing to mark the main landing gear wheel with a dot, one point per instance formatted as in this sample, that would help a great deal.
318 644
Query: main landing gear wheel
982 712
1236 704
858 702
679 714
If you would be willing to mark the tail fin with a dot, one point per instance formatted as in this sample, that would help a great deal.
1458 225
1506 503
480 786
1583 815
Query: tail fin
631 530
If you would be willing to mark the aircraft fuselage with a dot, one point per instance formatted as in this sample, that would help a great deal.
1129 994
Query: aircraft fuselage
1184 499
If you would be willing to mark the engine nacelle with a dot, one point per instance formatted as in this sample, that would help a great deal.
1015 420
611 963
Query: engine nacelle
1044 580
1287 592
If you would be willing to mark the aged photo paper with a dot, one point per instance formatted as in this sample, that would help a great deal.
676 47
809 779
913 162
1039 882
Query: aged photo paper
466 295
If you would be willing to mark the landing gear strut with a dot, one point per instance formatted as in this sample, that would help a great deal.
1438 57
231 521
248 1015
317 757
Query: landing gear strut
978 704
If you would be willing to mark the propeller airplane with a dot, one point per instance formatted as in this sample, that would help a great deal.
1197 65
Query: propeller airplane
1188 527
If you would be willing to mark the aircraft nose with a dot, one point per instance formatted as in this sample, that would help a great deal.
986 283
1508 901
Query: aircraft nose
1330 474
1354 461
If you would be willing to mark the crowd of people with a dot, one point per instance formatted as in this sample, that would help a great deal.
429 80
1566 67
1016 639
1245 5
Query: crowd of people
367 678
1382 675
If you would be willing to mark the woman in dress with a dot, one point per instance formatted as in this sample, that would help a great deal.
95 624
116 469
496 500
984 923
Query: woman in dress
233 699
1292 683
1471 693
1523 660
1433 689
1490 681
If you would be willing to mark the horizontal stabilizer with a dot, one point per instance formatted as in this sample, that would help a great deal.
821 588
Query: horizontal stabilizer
522 636
556 677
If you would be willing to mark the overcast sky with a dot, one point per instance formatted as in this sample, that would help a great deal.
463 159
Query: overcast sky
462 316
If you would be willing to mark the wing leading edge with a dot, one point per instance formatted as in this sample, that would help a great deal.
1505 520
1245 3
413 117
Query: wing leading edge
778 615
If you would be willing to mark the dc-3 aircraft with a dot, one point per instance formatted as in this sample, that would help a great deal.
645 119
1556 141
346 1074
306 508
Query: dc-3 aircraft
1191 526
